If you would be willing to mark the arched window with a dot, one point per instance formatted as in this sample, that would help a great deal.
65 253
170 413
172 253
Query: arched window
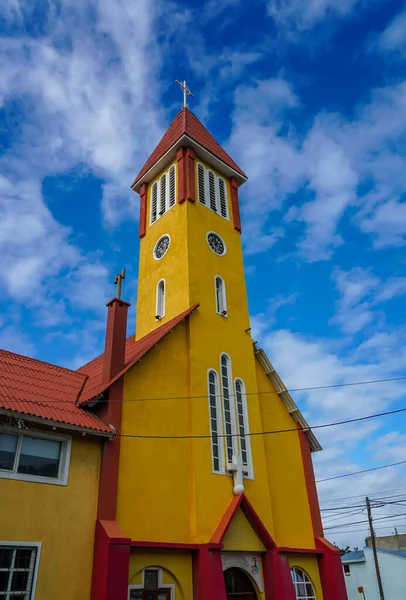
152 586
201 183
163 194
154 202
243 427
228 407
160 300
217 447
303 586
212 190
221 304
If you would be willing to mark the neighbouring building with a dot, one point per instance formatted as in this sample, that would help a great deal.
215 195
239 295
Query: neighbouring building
359 570
154 472
390 542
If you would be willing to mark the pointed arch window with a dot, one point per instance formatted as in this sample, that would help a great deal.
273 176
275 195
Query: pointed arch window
160 300
163 194
243 427
221 303
212 190
228 407
217 446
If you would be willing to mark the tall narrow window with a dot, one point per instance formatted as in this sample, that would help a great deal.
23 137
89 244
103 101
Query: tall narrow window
160 300
162 204
223 198
201 183
215 423
221 305
172 187
212 191
154 202
243 429
228 408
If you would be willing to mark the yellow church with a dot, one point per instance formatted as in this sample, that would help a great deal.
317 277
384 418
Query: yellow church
155 472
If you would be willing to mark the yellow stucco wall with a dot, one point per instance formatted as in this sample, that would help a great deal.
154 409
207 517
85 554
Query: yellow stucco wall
241 535
62 518
176 569
309 564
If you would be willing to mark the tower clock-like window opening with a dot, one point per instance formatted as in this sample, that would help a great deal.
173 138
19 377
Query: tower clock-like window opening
163 194
212 191
160 300
217 447
243 429
228 408
221 304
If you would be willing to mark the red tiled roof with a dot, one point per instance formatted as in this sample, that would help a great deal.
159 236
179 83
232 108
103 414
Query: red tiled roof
135 349
187 123
32 387
39 389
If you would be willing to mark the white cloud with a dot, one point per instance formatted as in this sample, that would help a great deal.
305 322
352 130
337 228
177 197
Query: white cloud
392 40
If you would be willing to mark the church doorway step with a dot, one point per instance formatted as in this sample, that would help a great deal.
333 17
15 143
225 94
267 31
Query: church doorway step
238 585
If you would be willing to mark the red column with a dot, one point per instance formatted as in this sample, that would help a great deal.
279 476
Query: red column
277 578
143 210
331 572
208 577
111 563
234 204
186 174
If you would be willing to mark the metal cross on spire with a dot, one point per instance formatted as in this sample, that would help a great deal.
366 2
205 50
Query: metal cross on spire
118 280
186 92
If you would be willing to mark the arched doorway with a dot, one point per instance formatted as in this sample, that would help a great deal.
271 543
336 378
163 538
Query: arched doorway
238 585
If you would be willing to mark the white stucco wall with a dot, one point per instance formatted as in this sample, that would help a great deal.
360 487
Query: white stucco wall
393 573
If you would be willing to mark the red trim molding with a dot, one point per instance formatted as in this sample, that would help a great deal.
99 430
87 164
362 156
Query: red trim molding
143 210
175 545
310 483
208 577
186 174
277 578
235 204
288 550
111 563
331 571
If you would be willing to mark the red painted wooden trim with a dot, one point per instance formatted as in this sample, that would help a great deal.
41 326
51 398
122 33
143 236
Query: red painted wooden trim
234 204
116 335
180 158
310 483
143 210
175 545
288 550
190 173
226 519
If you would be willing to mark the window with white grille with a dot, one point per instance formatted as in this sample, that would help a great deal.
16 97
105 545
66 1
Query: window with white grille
220 288
217 445
18 569
160 300
228 407
304 589
243 427
163 194
212 190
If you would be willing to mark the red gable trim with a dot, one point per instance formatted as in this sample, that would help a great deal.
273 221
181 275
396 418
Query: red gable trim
241 501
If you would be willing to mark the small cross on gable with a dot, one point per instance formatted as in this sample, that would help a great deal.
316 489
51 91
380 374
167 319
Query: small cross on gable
236 468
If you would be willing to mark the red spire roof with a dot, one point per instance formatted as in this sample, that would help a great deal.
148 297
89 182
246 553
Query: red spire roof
187 124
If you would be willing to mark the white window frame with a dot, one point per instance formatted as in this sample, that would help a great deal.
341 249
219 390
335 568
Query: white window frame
158 183
221 307
66 441
250 469
231 399
206 191
160 310
219 419
17 545
161 585
296 584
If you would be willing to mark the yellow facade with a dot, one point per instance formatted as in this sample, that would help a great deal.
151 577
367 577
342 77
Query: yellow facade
176 570
172 495
62 518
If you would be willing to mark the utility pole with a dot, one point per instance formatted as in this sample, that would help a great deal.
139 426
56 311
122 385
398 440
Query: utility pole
378 573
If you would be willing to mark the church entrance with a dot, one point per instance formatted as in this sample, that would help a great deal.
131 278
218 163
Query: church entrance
238 585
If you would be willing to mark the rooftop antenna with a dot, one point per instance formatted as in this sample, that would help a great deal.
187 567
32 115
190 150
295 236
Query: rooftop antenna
186 92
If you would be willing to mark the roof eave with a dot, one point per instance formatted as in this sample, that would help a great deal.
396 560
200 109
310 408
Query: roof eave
59 424
286 397
200 150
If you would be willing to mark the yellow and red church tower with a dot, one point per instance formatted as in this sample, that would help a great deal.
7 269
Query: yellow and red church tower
197 499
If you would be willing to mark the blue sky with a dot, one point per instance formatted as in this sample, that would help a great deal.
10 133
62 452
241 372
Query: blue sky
309 97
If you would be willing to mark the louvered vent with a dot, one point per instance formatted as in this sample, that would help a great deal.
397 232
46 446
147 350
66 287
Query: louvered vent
223 198
200 177
162 205
154 202
212 191
172 187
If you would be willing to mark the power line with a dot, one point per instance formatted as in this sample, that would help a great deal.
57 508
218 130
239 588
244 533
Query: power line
363 530
370 494
402 462
378 504
396 516
292 390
